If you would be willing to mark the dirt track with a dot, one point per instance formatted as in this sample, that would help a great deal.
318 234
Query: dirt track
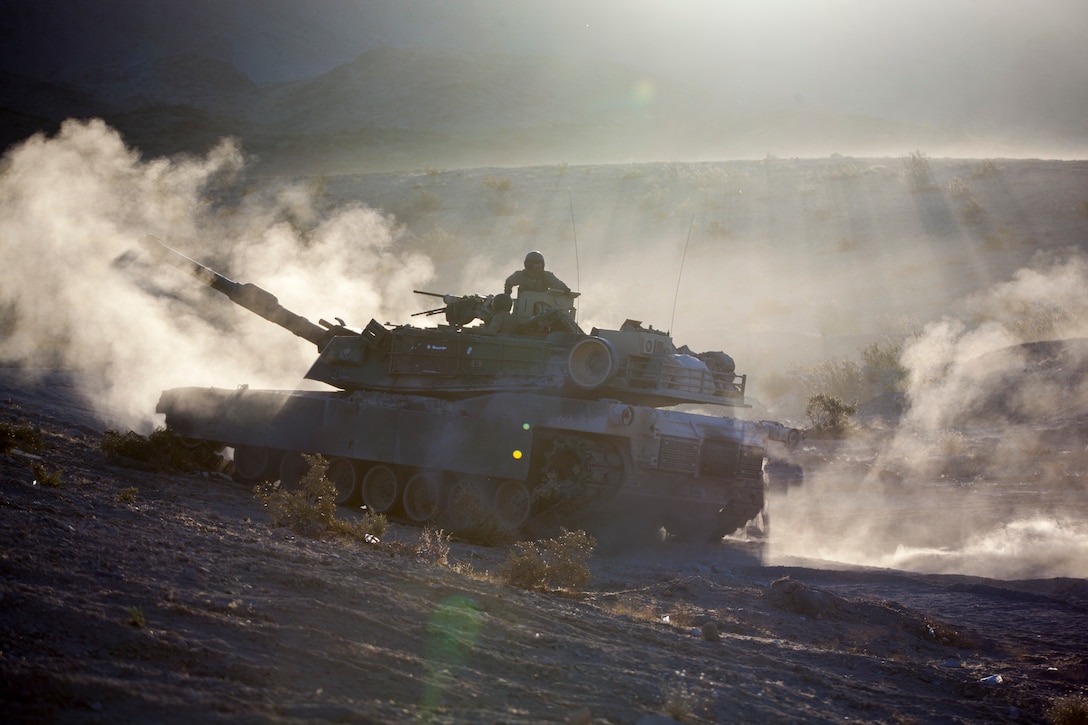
185 605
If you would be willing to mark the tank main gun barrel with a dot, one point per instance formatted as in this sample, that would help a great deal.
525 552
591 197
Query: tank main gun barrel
253 298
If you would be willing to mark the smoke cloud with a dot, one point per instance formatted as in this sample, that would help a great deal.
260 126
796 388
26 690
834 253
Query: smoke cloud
77 290
984 473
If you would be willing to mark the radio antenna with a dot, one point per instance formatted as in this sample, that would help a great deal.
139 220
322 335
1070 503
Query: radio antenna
577 271
681 273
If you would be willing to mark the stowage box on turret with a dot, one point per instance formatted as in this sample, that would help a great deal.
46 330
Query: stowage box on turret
449 426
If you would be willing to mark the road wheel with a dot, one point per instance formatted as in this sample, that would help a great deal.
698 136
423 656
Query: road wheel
381 489
255 464
423 497
511 505
469 504
293 468
345 476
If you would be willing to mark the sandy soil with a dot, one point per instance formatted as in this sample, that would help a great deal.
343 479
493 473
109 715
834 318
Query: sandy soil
184 604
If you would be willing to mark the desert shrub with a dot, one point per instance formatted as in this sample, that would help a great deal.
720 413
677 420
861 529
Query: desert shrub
308 510
680 704
959 187
418 205
560 562
128 495
840 378
502 184
716 228
919 173
1069 710
136 617
653 198
24 437
634 610
971 210
525 567
881 365
162 450
43 477
433 546
488 532
501 204
839 169
829 414
986 168
368 531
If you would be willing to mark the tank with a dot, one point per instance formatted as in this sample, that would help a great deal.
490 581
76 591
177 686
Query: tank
448 426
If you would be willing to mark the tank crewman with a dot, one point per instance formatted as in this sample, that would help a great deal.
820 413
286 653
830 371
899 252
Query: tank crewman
502 321
534 278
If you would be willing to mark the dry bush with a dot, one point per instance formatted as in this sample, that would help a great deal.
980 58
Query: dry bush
525 567
370 530
919 173
1069 710
835 378
311 510
502 205
44 477
635 610
433 546
986 168
829 415
24 437
959 187
560 562
136 617
502 184
971 210
163 450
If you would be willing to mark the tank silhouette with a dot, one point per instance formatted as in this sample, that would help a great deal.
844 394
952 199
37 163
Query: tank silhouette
549 425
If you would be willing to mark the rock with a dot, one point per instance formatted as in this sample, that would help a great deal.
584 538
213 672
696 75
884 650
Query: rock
710 632
579 717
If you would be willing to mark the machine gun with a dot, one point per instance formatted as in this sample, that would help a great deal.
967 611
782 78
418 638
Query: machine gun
459 310
253 298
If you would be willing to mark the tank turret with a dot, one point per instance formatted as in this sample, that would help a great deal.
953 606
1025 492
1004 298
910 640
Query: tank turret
547 352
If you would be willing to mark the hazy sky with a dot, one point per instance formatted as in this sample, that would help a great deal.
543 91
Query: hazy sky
977 65
856 55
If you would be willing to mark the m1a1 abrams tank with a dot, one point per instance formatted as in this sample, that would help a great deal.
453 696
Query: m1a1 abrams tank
447 426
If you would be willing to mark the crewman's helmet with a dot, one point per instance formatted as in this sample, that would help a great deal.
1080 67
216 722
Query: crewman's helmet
534 259
502 303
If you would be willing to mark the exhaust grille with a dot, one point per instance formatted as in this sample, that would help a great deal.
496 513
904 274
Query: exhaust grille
719 458
751 464
678 454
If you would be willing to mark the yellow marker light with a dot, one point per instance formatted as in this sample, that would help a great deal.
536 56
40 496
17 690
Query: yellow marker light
517 455
525 426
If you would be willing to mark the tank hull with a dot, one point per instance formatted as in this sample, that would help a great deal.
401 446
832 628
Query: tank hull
565 460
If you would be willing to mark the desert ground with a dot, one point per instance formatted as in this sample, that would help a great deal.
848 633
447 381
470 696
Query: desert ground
929 569
132 595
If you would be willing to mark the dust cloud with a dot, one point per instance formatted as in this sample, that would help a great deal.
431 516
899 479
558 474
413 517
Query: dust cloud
984 475
78 291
